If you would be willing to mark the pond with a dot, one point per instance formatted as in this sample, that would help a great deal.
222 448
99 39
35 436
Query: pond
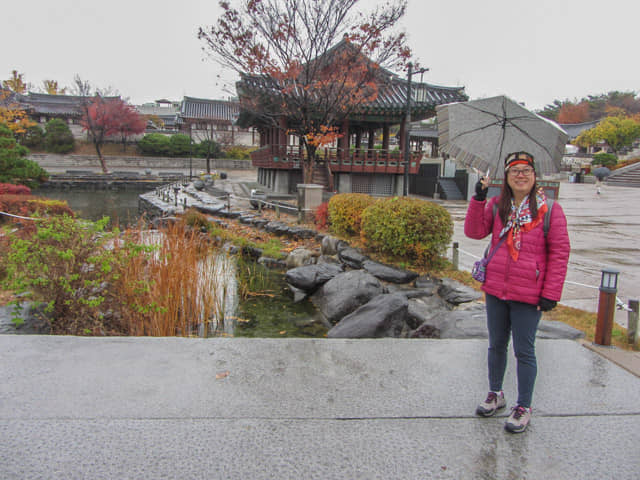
275 315
121 206
269 315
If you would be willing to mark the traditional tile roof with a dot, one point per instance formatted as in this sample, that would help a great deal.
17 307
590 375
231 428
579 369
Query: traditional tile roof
45 104
391 99
575 129
209 110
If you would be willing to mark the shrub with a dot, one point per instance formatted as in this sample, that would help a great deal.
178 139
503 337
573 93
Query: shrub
197 220
15 167
33 137
154 144
65 265
238 152
408 227
11 189
321 216
345 211
605 159
179 145
209 148
58 137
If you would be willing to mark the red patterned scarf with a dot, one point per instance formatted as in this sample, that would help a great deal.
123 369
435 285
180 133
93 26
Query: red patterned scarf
520 221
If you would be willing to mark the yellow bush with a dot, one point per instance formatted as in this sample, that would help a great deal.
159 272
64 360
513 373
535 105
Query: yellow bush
345 212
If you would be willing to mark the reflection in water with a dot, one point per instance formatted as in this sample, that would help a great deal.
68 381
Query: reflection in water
121 206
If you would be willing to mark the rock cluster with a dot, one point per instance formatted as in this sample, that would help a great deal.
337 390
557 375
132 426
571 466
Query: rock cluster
361 298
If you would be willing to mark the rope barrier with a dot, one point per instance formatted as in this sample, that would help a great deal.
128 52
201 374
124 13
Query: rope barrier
619 303
18 216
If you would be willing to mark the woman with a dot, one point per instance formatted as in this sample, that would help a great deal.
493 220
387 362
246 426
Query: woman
524 277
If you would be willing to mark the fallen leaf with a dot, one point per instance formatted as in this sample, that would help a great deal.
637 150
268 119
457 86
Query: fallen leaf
222 375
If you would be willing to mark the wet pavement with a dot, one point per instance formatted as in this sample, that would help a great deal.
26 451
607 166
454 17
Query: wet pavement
604 231
140 408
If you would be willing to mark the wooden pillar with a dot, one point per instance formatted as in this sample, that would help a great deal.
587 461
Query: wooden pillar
372 138
385 137
402 140
344 140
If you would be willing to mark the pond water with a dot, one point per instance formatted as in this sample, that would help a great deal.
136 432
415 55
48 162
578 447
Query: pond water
274 315
269 315
121 206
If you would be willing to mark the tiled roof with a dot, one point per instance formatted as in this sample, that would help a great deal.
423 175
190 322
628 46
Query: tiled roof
391 98
204 109
575 129
45 104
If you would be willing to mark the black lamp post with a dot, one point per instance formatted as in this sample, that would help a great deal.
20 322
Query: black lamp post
407 127
606 306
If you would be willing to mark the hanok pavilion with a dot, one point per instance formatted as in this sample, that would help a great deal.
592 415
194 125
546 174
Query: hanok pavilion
354 164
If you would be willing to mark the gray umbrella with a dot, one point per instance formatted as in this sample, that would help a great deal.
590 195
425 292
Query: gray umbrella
480 133
601 172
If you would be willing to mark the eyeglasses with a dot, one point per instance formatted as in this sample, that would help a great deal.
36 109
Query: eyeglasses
525 172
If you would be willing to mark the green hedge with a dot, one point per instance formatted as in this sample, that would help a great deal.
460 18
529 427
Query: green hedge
58 137
408 227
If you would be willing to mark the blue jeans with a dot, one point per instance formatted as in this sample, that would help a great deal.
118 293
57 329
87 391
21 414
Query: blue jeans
519 320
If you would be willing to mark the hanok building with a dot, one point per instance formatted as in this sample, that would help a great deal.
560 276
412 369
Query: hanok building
214 120
42 107
360 161
161 115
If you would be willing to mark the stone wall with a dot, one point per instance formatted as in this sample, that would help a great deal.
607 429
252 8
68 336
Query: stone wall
51 160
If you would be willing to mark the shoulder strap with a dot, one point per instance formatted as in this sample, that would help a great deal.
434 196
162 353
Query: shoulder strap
547 217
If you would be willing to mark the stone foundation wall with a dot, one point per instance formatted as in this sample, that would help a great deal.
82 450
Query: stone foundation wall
51 160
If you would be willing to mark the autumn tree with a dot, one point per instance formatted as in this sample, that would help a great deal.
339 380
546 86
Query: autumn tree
128 121
570 113
16 83
51 87
618 131
593 107
12 114
290 46
101 115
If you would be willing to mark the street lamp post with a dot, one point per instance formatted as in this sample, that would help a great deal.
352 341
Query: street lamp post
606 306
407 127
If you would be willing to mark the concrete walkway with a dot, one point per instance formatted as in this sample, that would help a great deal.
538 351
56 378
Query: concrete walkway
146 408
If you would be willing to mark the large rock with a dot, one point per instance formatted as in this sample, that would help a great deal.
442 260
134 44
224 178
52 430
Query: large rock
330 245
383 316
351 257
426 310
300 257
344 293
310 277
387 273
456 293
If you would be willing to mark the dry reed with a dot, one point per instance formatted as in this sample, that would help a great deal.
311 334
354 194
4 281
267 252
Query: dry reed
171 282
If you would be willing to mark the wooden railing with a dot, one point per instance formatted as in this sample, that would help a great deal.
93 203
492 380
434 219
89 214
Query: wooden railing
339 160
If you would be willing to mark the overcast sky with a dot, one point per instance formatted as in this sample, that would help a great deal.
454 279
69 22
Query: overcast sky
533 51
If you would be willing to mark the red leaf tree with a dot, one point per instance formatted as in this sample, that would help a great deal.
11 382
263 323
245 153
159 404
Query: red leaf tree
104 116
316 61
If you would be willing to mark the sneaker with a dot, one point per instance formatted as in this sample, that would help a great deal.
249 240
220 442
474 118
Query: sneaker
519 419
493 403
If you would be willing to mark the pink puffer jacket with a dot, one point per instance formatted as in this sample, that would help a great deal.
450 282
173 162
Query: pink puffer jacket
542 265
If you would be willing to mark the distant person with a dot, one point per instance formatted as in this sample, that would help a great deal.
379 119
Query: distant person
524 277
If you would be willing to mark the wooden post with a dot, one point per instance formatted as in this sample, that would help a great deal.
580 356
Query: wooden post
455 255
604 323
632 323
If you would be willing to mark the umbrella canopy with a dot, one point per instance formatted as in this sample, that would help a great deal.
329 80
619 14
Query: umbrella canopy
481 133
601 172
